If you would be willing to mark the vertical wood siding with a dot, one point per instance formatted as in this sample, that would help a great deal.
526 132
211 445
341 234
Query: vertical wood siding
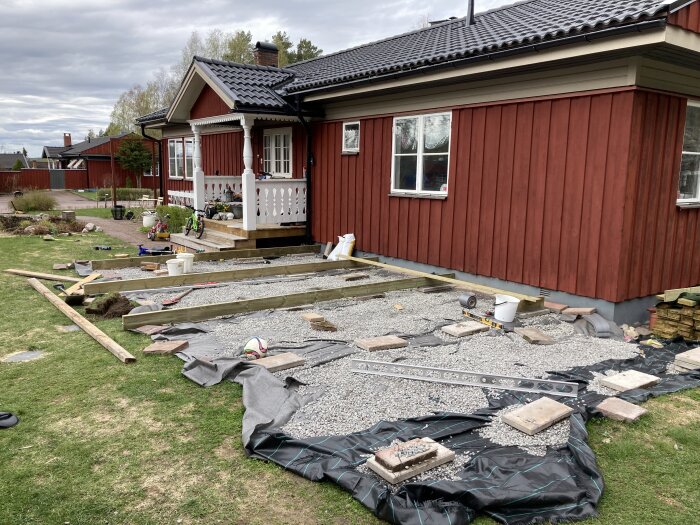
536 193
661 242
687 18
208 104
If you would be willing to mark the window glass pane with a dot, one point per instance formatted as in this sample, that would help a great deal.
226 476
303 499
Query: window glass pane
405 135
436 133
189 152
434 173
691 140
172 161
690 175
351 137
405 169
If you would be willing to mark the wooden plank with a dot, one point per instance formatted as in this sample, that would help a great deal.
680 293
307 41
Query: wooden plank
147 283
210 311
44 276
77 288
534 301
105 264
89 328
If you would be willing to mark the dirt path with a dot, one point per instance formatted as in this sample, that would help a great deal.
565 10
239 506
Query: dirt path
66 201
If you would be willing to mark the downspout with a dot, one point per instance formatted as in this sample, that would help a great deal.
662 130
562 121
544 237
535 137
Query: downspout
309 164
160 158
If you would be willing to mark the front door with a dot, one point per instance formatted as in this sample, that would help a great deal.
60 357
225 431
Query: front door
277 152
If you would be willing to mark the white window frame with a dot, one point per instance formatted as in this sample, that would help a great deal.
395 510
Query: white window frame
182 170
173 158
189 167
270 159
692 202
359 134
419 191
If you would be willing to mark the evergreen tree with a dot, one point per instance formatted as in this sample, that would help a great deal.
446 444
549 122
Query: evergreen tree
133 156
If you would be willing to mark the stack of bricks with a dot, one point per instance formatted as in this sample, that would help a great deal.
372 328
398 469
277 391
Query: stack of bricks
678 319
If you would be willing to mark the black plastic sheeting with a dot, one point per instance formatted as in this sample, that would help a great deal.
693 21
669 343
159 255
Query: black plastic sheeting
505 483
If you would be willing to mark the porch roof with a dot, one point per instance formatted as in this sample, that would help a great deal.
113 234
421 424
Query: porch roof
236 117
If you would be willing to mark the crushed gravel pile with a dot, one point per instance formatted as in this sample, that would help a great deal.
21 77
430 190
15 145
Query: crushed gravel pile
503 434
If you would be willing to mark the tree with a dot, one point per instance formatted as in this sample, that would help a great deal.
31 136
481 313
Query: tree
90 134
24 151
18 165
284 47
306 50
133 156
239 48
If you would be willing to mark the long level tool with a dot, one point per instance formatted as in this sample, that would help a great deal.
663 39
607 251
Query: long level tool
461 377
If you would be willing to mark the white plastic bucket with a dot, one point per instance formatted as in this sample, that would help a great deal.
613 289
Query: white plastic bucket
175 266
506 306
187 260
149 220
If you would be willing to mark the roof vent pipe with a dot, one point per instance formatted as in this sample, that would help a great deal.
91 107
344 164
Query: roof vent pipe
470 13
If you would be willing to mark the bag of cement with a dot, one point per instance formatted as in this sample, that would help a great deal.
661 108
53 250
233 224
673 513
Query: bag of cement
345 246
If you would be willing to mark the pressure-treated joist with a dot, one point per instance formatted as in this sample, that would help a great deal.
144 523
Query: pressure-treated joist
210 311
220 276
127 262
44 276
527 302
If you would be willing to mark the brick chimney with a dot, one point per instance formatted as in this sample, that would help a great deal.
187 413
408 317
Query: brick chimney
67 140
266 54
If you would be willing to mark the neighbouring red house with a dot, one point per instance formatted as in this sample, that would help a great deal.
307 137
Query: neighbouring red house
543 147
91 163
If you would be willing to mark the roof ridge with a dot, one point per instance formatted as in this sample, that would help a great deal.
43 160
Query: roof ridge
257 67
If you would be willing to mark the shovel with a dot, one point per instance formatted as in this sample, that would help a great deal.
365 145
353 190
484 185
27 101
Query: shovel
176 299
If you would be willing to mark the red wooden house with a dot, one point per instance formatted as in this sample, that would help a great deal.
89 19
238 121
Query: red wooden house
541 147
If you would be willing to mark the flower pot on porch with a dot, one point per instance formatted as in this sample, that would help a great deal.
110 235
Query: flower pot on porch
237 210
118 212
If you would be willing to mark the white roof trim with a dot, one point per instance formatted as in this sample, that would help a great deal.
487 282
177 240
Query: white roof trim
233 117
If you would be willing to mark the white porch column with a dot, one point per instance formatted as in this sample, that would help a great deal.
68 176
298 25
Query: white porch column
250 206
198 179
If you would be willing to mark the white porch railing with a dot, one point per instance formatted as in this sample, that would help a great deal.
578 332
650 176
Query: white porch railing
281 201
180 198
215 186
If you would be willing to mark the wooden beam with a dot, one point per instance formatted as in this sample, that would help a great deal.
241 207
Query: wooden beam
44 276
77 288
148 283
89 328
526 301
210 311
127 262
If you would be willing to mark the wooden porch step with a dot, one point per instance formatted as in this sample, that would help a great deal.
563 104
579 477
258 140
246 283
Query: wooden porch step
211 244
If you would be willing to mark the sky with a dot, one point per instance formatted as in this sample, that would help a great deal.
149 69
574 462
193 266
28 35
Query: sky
65 62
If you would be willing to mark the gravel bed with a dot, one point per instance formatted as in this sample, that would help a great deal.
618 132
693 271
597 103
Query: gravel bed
220 265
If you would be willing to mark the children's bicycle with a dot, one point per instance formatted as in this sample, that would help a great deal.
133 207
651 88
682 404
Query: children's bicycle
195 222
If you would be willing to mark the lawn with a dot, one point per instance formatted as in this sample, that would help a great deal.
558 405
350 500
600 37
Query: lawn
104 442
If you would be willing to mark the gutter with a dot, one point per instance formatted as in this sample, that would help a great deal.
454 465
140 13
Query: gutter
161 180
430 68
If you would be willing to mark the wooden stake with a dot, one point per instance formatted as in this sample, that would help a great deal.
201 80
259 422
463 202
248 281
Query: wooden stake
532 301
210 311
44 276
89 328
221 276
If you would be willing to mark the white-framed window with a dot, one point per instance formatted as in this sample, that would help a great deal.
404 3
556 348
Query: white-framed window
189 153
351 137
689 179
277 151
180 153
421 154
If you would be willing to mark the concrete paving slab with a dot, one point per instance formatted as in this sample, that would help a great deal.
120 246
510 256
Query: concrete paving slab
534 336
312 317
537 416
444 455
557 308
620 410
385 342
165 347
465 328
405 454
629 380
151 329
278 362
579 311
692 357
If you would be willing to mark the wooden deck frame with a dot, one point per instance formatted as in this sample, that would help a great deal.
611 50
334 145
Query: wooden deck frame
149 283
128 262
210 311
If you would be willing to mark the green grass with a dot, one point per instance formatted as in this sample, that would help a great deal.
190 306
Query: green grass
89 195
104 442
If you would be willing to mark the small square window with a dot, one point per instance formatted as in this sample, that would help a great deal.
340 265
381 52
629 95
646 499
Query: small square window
351 137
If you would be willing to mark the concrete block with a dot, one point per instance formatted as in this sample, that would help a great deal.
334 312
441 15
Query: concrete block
579 311
405 454
465 328
385 342
557 308
691 357
312 317
534 336
278 362
151 329
160 273
537 416
166 347
620 410
629 380
444 455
